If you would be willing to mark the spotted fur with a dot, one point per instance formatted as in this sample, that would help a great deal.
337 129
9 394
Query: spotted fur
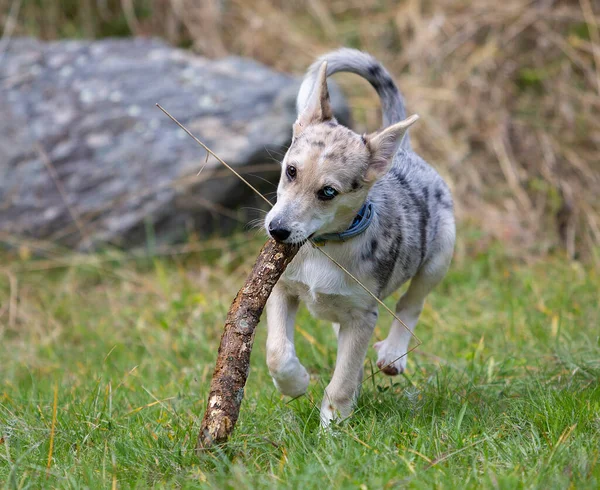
411 236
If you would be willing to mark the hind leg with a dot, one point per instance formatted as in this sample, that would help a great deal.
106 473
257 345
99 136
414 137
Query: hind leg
392 351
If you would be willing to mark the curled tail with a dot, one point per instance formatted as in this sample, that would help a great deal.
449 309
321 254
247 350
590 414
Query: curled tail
363 64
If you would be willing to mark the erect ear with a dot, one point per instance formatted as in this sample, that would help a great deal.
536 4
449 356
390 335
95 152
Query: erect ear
318 107
383 146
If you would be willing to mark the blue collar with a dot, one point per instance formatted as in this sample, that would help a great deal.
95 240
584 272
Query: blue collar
361 223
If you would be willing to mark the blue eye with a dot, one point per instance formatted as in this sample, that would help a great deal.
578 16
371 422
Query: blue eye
290 171
327 193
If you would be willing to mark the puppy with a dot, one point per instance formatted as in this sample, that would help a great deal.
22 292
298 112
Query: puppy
375 207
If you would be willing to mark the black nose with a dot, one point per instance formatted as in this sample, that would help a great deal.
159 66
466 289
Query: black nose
280 234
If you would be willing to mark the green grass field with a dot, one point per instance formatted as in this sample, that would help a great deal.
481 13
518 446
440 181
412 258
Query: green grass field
503 392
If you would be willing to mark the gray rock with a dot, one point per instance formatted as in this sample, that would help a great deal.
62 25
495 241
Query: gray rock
86 158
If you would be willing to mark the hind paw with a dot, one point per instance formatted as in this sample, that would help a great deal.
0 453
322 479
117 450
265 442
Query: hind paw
391 360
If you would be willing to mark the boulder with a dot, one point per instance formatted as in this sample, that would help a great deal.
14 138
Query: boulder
87 159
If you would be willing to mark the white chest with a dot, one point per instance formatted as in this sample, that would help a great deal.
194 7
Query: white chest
328 292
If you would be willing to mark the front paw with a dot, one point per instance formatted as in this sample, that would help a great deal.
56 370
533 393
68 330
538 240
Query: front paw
292 380
391 360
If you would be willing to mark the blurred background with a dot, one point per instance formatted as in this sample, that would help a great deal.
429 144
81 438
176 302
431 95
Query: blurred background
508 94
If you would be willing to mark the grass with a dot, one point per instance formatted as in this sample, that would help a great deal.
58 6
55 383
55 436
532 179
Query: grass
503 393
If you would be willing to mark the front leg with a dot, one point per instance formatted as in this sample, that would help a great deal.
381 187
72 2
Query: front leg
290 377
353 341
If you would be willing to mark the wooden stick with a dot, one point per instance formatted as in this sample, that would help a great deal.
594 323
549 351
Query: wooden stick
233 360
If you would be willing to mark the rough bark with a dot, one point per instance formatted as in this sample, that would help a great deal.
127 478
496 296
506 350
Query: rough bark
233 360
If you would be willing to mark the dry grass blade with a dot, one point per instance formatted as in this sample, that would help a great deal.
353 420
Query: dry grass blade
390 363
385 307
209 151
444 457
61 190
53 429
12 302
130 18
9 26
151 404
590 20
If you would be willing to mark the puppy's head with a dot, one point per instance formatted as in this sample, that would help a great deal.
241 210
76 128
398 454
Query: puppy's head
328 170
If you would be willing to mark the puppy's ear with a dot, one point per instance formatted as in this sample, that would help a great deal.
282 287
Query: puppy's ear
383 146
318 107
